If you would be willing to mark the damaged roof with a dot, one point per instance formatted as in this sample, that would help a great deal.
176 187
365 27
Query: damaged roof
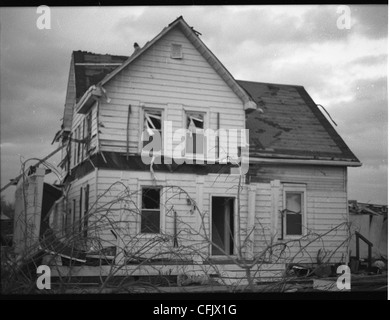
287 124
91 68
291 125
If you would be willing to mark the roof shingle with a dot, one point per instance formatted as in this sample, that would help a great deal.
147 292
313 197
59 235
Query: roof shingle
291 125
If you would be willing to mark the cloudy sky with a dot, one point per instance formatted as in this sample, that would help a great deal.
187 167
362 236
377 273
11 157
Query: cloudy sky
345 70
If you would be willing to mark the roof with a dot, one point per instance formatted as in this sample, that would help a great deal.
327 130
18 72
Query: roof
283 121
91 68
291 125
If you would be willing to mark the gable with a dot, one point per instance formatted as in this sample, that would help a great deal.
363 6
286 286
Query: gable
193 37
156 77
291 126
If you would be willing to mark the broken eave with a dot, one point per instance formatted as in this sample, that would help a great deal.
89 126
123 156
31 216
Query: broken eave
304 161
92 95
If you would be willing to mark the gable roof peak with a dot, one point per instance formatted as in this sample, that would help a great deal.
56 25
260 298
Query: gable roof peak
193 36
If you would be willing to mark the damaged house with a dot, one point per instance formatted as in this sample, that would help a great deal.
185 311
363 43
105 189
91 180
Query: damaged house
274 196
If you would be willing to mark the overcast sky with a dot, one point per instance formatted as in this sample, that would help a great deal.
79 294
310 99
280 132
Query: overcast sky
345 70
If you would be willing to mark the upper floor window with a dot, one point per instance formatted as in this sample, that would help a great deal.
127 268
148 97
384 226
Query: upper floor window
88 132
152 129
195 134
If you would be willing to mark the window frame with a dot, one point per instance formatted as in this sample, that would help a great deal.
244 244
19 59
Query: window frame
88 132
301 189
85 218
235 226
161 210
152 108
196 156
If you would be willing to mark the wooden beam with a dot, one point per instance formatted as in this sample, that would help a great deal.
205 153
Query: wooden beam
34 166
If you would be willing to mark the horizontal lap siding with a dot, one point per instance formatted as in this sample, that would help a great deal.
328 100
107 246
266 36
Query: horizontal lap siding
128 218
326 209
262 217
191 233
317 178
156 80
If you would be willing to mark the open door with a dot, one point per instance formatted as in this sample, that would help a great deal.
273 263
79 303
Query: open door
222 220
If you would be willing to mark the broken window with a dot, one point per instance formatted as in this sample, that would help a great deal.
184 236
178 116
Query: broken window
78 144
153 129
86 208
195 134
74 215
74 148
88 132
83 144
176 51
150 212
294 210
68 222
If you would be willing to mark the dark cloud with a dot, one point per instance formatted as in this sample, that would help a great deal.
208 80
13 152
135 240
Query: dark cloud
371 20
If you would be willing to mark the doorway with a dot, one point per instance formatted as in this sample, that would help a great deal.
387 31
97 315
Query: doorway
222 223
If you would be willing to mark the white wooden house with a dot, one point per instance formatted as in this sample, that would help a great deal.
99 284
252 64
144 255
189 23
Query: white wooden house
295 188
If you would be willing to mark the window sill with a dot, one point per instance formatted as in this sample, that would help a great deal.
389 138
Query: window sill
231 259
292 237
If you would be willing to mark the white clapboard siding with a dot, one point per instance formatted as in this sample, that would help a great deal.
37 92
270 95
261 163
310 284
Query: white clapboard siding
154 79
191 233
317 178
326 208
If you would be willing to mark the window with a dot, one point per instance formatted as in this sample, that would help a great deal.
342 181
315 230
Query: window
68 222
74 148
79 220
294 211
176 51
83 144
195 134
74 215
152 130
85 211
150 212
78 144
88 132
